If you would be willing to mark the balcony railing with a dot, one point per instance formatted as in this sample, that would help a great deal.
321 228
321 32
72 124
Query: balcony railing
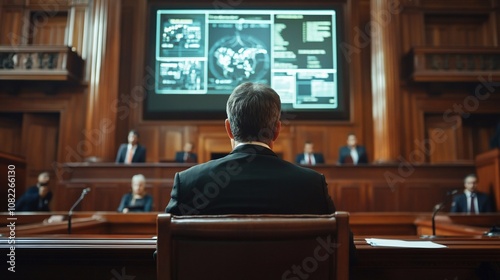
40 63
438 64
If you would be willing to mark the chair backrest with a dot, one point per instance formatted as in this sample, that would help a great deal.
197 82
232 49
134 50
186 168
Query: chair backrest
253 247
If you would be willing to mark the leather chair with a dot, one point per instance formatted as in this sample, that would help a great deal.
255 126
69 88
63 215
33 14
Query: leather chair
253 247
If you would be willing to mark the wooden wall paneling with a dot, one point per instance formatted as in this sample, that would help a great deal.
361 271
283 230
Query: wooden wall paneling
11 131
11 24
171 141
350 195
488 172
150 138
363 122
381 197
65 195
141 75
75 142
385 87
425 194
39 141
104 62
464 29
411 30
109 197
48 29
125 101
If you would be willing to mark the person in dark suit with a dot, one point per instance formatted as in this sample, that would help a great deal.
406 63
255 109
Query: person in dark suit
251 179
131 152
187 154
38 197
309 157
352 153
137 200
471 201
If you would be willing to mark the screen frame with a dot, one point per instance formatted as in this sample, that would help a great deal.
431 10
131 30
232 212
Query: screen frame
343 73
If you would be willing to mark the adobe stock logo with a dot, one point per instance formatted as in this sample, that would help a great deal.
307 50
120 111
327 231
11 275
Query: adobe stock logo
310 264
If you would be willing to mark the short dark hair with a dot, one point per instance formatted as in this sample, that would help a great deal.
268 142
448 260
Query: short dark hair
253 111
470 175
135 132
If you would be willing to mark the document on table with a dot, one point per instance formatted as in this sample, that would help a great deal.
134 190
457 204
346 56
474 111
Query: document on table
377 242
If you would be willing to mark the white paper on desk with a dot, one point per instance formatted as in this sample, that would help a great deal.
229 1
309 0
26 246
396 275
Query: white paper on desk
402 243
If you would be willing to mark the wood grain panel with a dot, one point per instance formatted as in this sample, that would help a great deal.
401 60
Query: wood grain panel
11 131
382 198
350 196
51 31
11 26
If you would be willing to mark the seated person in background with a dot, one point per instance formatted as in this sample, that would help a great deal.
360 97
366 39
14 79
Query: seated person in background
187 154
352 153
36 198
131 152
251 179
471 201
137 200
309 157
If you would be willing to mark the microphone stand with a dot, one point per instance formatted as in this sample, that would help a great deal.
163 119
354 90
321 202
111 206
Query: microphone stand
438 208
84 192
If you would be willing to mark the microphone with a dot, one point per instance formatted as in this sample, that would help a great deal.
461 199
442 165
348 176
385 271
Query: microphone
84 193
438 208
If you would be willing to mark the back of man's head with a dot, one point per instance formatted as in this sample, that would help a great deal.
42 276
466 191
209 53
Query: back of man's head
253 111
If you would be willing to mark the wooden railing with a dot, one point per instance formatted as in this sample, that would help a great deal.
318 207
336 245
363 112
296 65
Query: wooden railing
40 63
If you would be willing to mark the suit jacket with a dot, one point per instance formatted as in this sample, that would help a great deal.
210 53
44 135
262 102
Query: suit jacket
141 205
31 201
139 155
345 155
179 157
318 157
459 204
250 180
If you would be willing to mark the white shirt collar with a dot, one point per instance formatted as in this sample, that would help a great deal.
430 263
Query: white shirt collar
253 143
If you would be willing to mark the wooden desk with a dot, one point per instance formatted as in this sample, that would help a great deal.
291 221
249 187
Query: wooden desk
124 257
363 188
464 258
106 244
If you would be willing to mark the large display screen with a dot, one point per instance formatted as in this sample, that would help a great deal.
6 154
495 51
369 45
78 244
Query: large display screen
201 55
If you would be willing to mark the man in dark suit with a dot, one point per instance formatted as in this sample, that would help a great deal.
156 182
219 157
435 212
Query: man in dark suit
251 179
131 152
36 198
352 153
187 154
471 201
309 157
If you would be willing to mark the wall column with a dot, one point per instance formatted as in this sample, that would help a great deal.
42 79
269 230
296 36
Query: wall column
103 65
385 80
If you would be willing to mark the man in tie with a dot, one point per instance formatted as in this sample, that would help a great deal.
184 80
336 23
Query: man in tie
352 153
187 154
309 157
131 152
471 201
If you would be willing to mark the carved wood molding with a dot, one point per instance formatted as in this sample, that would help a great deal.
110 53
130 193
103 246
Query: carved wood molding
439 64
